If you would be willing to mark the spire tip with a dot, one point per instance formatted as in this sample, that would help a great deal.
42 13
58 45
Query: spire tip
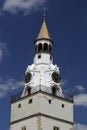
44 15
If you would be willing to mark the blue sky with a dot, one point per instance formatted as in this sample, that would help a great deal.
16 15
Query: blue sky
20 22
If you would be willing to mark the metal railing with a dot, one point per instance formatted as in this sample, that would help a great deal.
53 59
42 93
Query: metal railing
47 90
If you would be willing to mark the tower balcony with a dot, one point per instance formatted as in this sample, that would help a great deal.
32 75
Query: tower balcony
47 90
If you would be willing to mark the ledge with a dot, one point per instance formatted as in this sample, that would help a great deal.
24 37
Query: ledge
67 98
44 115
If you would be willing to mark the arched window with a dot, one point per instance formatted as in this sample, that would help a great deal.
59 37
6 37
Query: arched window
45 47
50 49
39 48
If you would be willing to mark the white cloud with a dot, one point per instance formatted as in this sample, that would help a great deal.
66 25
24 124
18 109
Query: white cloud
79 126
80 88
14 6
3 51
9 85
63 82
81 100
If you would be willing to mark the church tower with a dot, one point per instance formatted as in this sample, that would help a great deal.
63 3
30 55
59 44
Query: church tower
42 104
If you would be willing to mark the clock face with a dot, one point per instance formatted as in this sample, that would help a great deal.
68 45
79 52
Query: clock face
28 77
56 77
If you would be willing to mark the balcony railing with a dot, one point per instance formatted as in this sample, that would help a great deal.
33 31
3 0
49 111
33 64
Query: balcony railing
18 95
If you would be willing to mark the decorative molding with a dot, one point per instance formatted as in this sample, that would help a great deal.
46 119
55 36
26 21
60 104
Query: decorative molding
44 115
46 93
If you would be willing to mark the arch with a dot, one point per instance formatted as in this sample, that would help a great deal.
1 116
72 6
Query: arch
45 49
39 47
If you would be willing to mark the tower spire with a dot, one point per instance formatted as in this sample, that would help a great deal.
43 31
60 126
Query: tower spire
44 33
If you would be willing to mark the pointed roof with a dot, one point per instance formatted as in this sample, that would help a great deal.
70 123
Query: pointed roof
44 33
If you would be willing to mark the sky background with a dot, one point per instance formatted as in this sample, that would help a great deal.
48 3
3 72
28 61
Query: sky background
20 22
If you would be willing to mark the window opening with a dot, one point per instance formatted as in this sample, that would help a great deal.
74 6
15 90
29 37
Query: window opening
39 48
53 90
50 101
29 90
30 101
39 56
45 47
56 128
23 128
19 105
63 106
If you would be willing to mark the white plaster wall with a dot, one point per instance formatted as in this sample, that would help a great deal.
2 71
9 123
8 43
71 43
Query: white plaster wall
26 109
45 59
40 123
30 124
42 76
55 108
48 124
41 104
